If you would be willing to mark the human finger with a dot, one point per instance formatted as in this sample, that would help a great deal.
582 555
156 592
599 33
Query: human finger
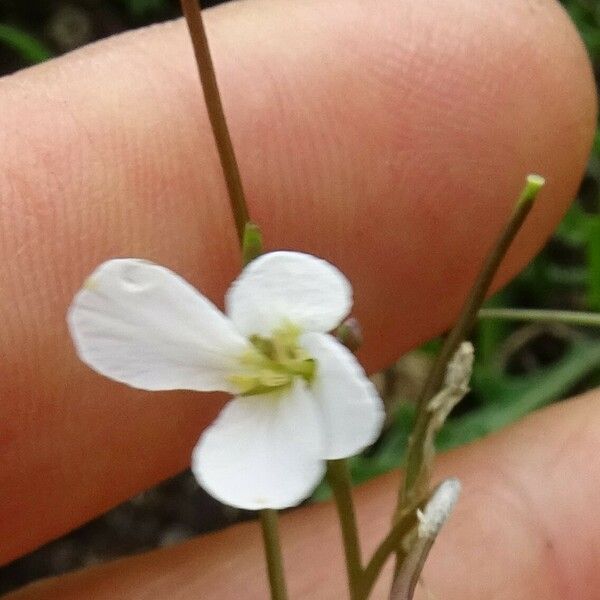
389 141
523 529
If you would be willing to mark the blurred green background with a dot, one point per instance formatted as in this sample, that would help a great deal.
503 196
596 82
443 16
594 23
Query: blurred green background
519 368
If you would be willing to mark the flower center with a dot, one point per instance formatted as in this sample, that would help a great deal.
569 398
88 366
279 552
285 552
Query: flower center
273 363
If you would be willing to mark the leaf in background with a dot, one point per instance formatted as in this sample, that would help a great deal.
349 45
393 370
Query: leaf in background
27 46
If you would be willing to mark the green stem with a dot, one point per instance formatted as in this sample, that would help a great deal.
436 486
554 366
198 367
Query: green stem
409 574
481 285
338 478
270 530
569 317
459 332
388 546
195 23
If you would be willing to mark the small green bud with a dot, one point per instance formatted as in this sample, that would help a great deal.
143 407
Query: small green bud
252 244
533 184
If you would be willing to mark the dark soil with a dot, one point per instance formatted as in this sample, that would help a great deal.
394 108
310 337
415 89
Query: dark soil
62 25
169 513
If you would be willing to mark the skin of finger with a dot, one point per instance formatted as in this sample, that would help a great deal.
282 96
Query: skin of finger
524 529
391 140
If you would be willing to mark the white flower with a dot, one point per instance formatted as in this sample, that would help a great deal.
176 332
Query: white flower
301 397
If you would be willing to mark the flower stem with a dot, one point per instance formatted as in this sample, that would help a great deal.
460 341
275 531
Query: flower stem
270 530
390 544
569 317
195 23
409 574
481 285
457 335
416 548
338 477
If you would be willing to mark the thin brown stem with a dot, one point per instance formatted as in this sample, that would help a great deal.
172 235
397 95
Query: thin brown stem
409 574
208 79
386 548
434 515
477 293
459 332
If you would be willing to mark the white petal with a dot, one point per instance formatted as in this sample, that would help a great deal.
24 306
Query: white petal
281 287
352 410
262 451
143 325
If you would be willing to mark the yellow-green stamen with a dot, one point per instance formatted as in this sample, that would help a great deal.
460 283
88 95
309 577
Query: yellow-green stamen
273 363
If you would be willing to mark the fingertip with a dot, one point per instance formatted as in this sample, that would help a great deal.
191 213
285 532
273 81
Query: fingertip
391 139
